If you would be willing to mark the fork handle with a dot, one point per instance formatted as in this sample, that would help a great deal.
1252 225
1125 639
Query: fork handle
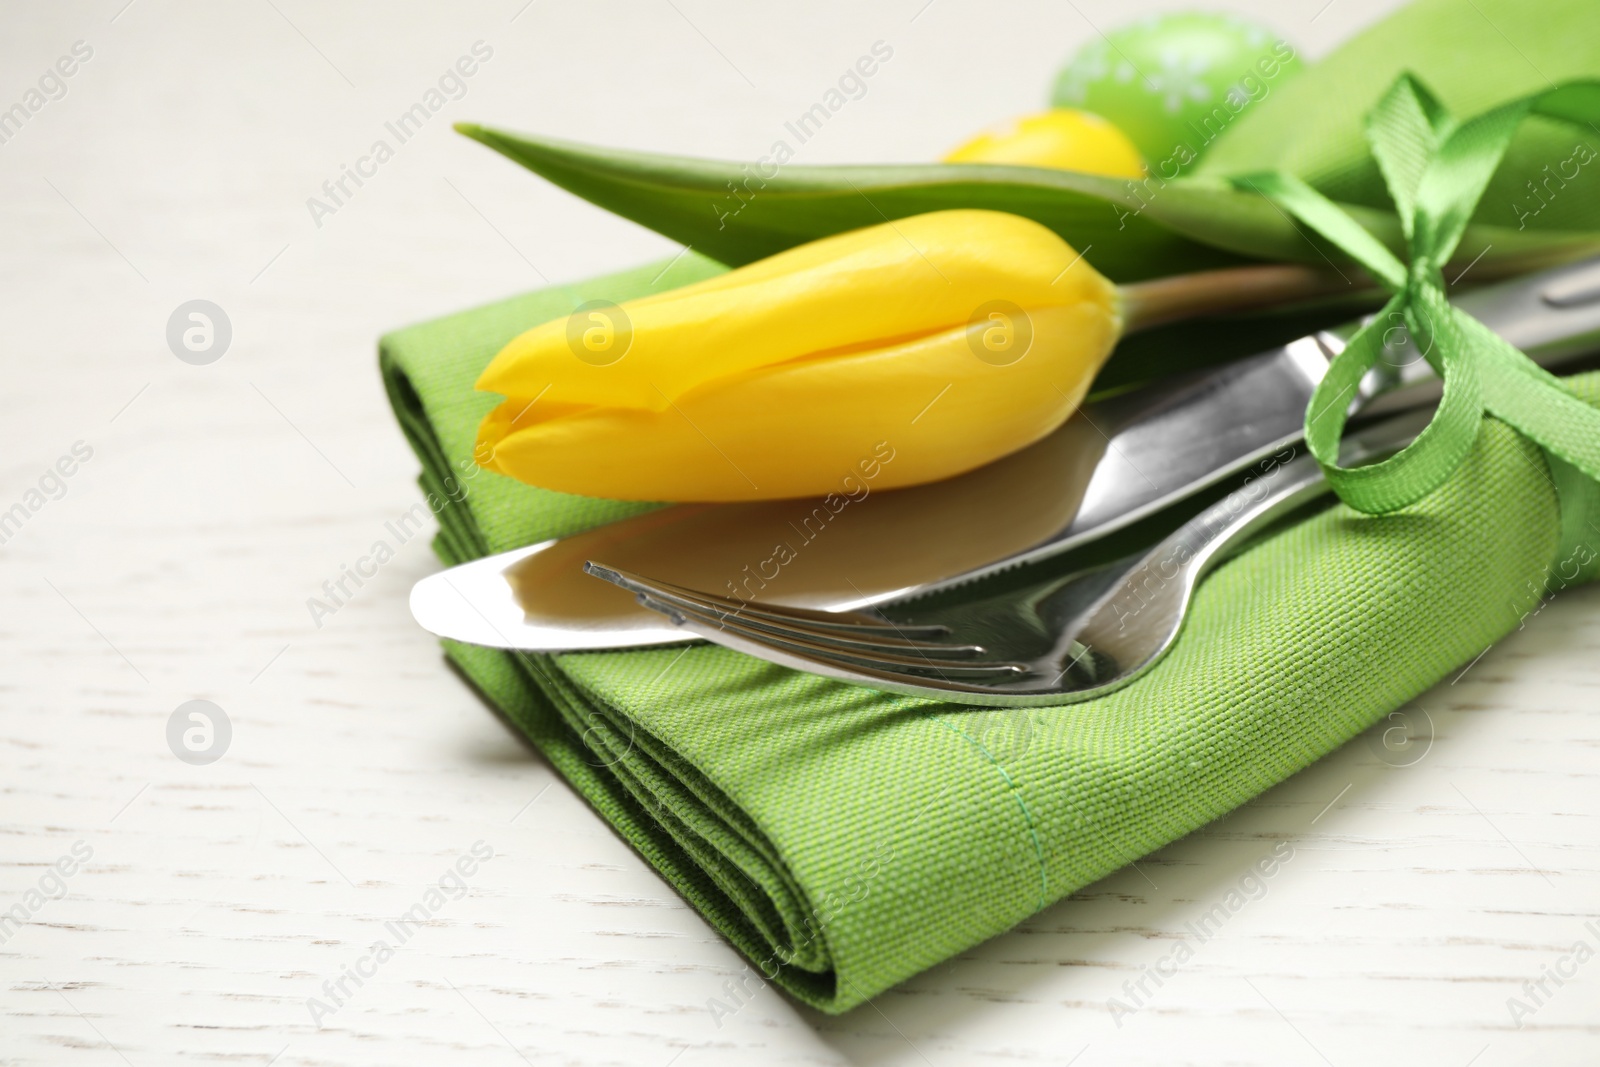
1139 617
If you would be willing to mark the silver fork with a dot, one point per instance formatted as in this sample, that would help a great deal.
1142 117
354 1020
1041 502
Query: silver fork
1057 641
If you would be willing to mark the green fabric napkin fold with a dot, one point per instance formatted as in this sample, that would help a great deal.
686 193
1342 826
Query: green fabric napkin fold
844 839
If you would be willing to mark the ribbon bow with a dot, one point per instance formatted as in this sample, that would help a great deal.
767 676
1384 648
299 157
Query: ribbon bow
1436 170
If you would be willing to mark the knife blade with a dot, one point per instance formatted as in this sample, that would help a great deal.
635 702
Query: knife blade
1110 465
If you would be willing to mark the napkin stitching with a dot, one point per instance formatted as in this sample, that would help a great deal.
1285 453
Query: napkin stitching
1016 793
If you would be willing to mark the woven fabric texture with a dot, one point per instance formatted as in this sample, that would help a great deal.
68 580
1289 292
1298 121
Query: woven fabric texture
844 839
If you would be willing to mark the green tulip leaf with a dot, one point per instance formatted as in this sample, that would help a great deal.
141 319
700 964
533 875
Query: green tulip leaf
1541 207
731 213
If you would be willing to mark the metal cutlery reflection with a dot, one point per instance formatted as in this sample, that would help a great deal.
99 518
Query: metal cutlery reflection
1113 464
1060 641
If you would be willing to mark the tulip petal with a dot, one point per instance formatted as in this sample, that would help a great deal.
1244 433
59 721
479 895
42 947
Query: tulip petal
917 411
865 289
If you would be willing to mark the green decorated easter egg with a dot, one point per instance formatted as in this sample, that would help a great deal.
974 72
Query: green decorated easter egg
1173 83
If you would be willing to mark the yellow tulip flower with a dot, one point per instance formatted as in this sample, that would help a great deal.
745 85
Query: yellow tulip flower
901 353
920 348
1062 137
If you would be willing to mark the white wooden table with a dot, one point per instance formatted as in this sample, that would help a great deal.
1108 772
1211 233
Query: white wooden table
207 904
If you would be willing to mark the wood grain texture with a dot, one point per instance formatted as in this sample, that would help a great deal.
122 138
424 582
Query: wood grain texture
1426 880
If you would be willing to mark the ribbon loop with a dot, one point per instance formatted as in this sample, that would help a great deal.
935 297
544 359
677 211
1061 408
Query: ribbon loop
1405 129
1436 170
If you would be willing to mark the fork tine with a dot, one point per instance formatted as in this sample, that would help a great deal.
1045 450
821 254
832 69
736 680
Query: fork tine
847 621
828 651
912 652
783 620
880 677
777 623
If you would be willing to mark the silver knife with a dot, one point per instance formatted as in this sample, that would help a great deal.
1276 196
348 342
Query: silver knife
1108 466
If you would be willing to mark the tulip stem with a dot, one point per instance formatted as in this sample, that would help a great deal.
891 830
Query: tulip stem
1213 292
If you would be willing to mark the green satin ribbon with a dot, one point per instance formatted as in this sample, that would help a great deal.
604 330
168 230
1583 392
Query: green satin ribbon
1436 170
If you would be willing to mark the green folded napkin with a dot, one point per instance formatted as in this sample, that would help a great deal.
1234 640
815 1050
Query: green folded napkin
845 839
